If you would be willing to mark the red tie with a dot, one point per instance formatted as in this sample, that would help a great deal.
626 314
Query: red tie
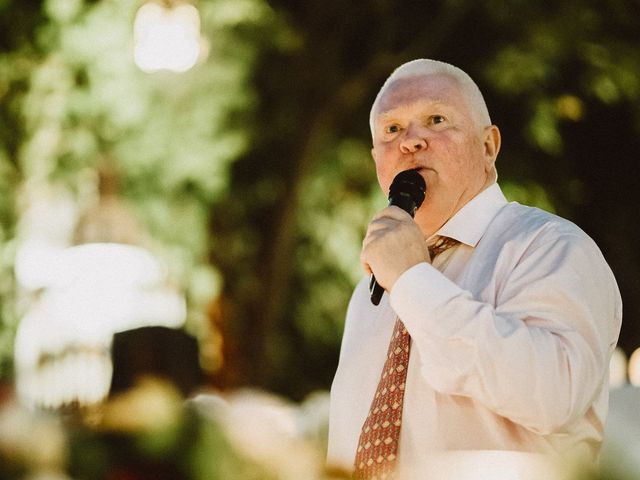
440 245
378 444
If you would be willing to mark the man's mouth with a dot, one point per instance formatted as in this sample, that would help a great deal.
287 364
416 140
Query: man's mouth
422 170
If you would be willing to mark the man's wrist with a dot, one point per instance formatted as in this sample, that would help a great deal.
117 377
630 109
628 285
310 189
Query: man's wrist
419 290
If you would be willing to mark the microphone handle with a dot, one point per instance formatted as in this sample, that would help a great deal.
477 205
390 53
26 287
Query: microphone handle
406 203
375 290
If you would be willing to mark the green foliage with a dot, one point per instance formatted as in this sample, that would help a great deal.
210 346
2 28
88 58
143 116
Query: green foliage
338 203
192 448
528 194
15 64
81 104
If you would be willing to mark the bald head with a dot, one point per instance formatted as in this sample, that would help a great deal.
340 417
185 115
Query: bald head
425 68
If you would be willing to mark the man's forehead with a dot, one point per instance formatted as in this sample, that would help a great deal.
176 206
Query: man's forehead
436 89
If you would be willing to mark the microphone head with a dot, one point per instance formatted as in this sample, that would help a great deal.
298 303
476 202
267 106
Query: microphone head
407 187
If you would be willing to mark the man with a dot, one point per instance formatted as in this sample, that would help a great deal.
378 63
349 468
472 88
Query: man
511 328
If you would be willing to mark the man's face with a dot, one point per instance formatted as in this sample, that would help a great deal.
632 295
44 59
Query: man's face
425 123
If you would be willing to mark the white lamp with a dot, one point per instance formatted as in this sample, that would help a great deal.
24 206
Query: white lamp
166 37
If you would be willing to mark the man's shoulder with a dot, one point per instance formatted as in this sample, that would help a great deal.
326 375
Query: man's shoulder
524 221
525 230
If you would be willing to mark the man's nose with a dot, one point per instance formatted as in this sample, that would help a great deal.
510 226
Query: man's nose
412 143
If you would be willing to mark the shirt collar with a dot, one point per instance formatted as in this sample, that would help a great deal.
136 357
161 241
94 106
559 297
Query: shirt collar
471 221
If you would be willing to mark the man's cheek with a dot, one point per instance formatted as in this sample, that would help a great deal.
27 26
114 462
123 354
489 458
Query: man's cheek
384 179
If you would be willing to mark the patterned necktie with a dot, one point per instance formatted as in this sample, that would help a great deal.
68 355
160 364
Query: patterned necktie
378 443
440 245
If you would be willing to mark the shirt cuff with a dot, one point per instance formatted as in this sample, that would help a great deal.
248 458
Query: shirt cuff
421 290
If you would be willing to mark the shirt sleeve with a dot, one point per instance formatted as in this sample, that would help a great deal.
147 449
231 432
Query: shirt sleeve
537 352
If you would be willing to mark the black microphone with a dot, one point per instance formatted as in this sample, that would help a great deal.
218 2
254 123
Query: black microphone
407 191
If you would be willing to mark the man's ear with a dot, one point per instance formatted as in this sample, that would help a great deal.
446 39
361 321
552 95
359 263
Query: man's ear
491 141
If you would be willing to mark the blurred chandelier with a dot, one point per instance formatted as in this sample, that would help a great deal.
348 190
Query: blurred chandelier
83 275
166 36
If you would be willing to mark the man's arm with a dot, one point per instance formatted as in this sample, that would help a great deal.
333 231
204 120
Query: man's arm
540 355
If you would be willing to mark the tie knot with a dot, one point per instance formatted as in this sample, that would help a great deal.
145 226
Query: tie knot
440 245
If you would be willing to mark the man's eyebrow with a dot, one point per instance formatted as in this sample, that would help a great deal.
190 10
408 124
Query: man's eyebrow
389 114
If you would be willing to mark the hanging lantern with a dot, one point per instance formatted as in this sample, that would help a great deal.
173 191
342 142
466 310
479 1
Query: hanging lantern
166 37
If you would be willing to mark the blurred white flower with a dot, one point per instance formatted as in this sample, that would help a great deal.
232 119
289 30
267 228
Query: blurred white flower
152 404
313 419
268 430
33 439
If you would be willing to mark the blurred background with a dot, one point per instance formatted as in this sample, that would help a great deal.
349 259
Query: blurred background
203 166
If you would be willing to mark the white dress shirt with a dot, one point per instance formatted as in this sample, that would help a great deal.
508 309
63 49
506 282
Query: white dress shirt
512 332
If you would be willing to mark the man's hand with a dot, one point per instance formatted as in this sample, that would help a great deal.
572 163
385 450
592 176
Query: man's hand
392 245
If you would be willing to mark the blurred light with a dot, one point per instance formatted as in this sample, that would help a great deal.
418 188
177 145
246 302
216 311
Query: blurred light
166 38
634 368
571 107
618 369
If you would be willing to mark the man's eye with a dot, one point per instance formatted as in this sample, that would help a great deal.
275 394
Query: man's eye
436 119
392 129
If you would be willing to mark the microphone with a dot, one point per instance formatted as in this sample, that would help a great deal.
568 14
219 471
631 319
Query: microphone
407 191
